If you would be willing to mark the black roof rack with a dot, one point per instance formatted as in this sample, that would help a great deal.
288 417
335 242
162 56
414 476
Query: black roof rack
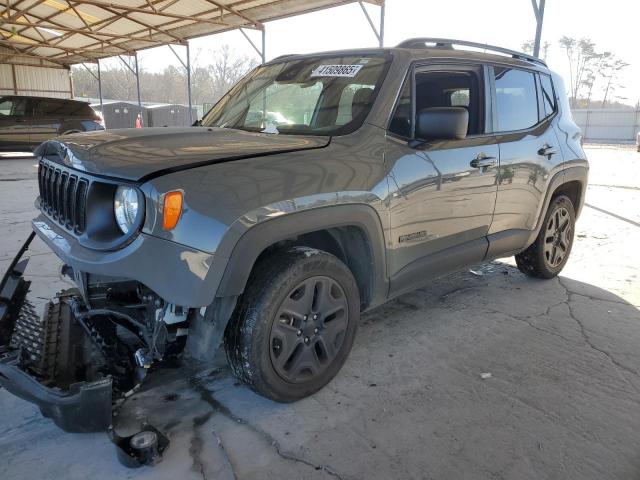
449 43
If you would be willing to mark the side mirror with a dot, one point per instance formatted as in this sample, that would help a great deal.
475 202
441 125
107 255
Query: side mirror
442 123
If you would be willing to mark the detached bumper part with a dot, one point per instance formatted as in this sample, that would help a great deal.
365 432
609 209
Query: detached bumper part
13 290
31 355
84 407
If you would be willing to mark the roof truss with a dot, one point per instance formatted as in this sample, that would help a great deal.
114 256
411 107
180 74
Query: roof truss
74 31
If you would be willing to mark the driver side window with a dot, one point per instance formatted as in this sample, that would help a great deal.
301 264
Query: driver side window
436 89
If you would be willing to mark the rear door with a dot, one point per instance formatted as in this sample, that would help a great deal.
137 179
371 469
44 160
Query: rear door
14 125
525 112
443 192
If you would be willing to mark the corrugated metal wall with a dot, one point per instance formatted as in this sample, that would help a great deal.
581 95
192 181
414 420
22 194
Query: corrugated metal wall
37 81
608 124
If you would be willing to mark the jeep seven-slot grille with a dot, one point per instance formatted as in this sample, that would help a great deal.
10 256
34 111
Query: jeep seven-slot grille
63 196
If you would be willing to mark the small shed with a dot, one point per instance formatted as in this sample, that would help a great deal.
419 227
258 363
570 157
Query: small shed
121 114
170 115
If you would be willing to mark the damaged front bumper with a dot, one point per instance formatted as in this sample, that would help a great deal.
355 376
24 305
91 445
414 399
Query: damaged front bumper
77 362
82 406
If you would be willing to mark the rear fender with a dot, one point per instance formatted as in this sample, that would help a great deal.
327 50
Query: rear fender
576 173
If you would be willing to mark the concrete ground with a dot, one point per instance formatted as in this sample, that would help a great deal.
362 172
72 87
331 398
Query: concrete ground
562 401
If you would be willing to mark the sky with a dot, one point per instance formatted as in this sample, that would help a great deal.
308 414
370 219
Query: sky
612 25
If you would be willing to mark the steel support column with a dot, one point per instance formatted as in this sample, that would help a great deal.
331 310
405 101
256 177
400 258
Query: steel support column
99 79
377 31
187 67
138 82
262 52
538 11
189 83
100 93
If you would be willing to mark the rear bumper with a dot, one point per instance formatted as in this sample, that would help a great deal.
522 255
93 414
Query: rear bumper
179 274
85 407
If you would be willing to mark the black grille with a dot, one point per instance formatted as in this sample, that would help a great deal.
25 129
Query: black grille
63 196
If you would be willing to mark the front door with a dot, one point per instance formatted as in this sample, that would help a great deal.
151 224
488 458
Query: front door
442 192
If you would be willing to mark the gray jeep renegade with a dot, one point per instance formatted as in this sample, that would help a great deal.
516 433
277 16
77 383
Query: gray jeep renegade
318 188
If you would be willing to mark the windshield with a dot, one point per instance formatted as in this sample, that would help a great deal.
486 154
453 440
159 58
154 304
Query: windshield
311 96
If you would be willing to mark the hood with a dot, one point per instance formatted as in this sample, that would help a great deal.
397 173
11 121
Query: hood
135 154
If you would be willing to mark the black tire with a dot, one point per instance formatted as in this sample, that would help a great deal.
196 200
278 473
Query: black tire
548 254
259 332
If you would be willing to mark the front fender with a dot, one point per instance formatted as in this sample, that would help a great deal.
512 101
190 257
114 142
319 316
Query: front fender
241 247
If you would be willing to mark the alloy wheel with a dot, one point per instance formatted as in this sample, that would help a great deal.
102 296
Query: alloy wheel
309 329
558 237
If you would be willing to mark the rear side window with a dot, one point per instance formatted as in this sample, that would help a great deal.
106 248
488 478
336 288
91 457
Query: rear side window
548 97
52 107
516 99
16 107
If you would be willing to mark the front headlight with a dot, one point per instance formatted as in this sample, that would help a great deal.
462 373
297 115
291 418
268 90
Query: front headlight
125 207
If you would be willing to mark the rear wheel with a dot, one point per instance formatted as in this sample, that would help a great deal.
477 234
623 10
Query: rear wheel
295 324
548 254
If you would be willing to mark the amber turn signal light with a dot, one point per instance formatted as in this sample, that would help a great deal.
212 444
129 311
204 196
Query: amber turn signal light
172 210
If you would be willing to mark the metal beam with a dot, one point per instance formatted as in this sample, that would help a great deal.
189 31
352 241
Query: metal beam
538 11
261 52
187 66
90 71
122 9
138 84
100 95
377 31
189 84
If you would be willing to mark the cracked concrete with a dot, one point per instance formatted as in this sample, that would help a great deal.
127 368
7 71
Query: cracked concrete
562 401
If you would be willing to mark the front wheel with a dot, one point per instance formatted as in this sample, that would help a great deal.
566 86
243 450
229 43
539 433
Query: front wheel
548 254
294 326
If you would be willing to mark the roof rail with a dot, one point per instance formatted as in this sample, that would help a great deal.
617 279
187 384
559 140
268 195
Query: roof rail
449 43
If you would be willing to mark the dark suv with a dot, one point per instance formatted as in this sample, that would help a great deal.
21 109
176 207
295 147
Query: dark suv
26 122
318 188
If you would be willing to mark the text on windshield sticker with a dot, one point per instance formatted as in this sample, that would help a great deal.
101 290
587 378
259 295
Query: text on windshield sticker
336 70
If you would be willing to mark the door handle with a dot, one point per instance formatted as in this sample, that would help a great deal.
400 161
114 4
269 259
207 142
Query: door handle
482 161
547 150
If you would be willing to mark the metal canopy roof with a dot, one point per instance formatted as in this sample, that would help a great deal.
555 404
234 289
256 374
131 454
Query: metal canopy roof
66 32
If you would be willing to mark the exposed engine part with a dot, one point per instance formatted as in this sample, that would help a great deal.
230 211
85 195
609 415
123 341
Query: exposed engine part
143 359
143 448
175 314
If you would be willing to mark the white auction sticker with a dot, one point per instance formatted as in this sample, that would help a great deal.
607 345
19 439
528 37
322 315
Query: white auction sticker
336 70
